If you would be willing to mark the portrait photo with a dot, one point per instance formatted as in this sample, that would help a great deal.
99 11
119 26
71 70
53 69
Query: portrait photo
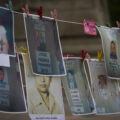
105 90
102 82
71 79
44 94
6 32
44 46
111 47
113 54
12 97
77 88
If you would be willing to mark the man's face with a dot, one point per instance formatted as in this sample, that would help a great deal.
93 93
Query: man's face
43 84
113 49
1 75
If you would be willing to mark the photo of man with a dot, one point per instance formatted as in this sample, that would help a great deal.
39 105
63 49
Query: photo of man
102 82
113 50
44 94
71 79
45 102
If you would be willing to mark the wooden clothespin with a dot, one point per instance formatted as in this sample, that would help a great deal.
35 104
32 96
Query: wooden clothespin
118 24
39 11
99 55
83 54
54 14
26 10
9 5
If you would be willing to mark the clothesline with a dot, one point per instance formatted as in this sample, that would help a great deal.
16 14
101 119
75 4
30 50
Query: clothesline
59 20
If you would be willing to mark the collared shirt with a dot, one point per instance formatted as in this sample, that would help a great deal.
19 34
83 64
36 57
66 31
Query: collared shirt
36 105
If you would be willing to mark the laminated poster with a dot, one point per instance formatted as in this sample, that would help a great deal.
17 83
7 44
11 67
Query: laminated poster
44 95
77 88
12 99
6 32
44 46
106 91
111 47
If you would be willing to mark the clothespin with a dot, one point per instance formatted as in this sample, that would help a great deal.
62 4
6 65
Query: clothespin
26 10
118 24
9 5
89 27
99 55
39 11
108 25
54 14
24 50
83 54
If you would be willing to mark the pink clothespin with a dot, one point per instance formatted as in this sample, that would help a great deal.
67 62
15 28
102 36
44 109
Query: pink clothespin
118 24
39 11
54 14
89 27
83 54
26 10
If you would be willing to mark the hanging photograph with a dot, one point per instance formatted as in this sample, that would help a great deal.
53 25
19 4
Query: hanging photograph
77 88
106 91
111 47
44 46
44 95
6 32
12 99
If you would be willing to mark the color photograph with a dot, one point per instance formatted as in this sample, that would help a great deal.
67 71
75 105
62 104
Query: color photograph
77 88
12 99
106 91
111 47
6 32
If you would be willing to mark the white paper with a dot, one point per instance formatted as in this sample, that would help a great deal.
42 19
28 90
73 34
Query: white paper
4 60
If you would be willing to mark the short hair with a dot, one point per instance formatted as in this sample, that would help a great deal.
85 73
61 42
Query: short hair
70 71
113 42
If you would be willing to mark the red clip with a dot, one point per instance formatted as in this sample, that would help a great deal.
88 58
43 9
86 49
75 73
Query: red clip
26 10
118 24
39 11
83 54
54 14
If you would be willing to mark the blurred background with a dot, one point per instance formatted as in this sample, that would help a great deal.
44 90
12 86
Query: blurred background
72 36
